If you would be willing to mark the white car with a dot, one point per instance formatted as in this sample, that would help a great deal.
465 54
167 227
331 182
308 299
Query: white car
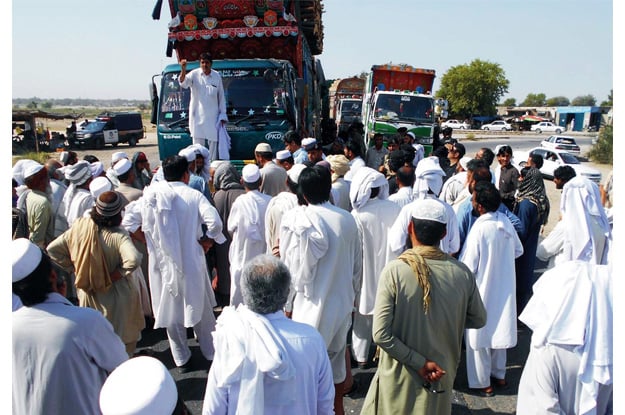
546 127
498 125
552 159
561 142
456 125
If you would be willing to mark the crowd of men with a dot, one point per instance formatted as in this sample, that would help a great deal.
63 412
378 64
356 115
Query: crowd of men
300 264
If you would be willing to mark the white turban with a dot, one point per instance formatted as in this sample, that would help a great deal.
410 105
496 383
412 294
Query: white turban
428 176
363 181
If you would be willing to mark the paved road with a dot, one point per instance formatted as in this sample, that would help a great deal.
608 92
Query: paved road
192 385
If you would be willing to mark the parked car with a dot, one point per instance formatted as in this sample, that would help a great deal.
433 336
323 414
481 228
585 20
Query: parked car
499 125
546 127
552 159
111 128
456 125
561 142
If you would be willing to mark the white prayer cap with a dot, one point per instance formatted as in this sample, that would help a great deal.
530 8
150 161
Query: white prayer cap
411 134
139 386
250 173
78 173
100 185
429 209
19 168
309 143
263 148
118 155
295 171
122 166
26 257
97 168
283 154
187 153
31 169
464 161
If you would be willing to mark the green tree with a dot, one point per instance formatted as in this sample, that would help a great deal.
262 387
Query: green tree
475 88
584 101
534 100
32 105
602 152
46 105
608 103
510 102
558 102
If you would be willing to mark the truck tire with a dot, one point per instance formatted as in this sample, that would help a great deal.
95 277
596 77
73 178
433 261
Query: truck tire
132 141
115 144
99 143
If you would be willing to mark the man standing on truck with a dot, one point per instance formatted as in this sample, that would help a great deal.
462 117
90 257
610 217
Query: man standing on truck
208 104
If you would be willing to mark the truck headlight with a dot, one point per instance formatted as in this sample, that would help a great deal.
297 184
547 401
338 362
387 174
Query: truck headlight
88 135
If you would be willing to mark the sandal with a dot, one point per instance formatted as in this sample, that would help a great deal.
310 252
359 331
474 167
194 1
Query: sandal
498 383
352 390
486 392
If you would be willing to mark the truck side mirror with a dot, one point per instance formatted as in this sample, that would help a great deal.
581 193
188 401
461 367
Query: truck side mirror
154 98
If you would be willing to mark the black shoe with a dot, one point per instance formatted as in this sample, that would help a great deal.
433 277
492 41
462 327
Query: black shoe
187 367
498 383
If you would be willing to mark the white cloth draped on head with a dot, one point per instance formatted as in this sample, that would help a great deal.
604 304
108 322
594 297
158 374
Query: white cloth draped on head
303 246
580 201
428 176
572 306
247 348
162 230
363 181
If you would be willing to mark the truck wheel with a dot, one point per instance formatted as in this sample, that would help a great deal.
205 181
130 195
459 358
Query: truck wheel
132 141
115 144
99 143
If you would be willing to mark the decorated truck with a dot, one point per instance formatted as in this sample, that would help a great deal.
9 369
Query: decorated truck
399 95
346 101
265 53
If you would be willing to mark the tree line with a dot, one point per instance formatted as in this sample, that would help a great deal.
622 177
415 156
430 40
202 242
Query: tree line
49 103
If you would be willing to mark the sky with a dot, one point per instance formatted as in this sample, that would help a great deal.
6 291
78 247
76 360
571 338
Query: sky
111 49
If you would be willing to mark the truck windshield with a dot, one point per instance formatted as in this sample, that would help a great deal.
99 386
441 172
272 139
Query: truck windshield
247 93
404 107
351 107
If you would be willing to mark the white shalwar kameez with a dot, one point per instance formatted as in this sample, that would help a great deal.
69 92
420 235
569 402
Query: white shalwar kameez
489 251
569 369
321 247
374 218
61 357
246 225
206 108
171 214
278 205
402 197
76 202
289 374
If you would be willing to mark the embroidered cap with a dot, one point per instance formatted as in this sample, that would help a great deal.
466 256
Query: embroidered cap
122 166
429 209
108 204
263 148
